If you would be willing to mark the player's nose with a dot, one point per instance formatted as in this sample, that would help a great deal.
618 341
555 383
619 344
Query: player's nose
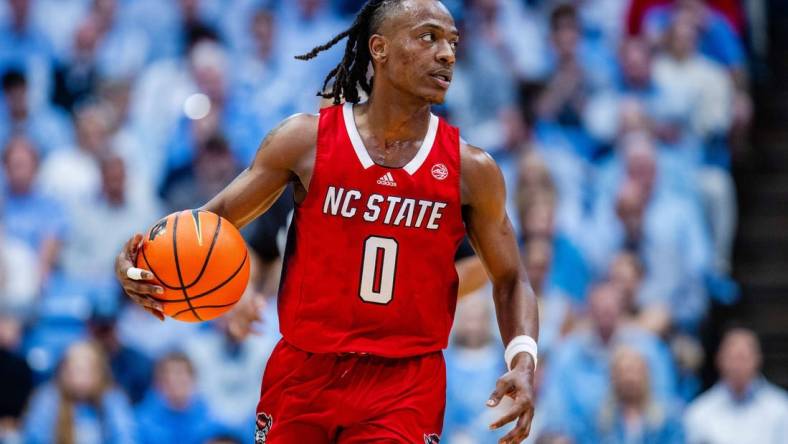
445 54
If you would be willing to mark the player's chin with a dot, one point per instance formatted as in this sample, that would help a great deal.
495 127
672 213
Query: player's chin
435 96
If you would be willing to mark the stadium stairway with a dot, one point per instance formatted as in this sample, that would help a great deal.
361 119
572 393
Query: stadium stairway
761 252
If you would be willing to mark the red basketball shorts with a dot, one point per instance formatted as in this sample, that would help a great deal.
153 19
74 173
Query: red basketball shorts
350 398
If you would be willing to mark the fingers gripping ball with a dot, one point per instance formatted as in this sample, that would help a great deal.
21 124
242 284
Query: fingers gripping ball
201 261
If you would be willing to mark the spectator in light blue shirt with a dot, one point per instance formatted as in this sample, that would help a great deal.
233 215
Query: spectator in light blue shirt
667 233
561 105
569 272
171 24
637 157
302 25
261 73
28 215
173 411
24 47
224 113
473 365
495 52
578 378
123 48
80 406
632 416
742 408
606 112
49 128
227 366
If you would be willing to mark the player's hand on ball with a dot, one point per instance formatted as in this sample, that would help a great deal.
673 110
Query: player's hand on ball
132 278
517 384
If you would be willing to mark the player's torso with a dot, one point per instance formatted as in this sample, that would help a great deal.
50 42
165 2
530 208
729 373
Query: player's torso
369 265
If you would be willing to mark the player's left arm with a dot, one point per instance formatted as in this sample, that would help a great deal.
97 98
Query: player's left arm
493 238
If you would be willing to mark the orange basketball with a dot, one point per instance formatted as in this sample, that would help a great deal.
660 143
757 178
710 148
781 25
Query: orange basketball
201 261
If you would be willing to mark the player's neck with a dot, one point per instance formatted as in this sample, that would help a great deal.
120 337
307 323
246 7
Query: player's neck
394 117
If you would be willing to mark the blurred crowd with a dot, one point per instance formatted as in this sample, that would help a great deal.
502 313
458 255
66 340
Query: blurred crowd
614 121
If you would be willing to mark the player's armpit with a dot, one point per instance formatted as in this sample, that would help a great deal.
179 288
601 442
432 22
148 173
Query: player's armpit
285 153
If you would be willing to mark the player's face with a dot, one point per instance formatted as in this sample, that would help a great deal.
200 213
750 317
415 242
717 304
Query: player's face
416 53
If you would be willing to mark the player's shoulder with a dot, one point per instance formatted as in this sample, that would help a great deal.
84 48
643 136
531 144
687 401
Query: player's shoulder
297 133
481 179
302 125
477 163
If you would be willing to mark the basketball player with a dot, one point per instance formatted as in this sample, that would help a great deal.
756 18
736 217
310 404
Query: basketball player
385 192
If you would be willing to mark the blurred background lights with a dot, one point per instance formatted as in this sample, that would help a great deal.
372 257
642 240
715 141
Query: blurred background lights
197 106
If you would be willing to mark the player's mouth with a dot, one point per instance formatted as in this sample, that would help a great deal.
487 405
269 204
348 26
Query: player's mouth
442 77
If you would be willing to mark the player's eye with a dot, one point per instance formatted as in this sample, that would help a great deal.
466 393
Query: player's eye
454 45
427 37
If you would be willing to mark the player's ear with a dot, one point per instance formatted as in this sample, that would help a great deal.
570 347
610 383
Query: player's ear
378 48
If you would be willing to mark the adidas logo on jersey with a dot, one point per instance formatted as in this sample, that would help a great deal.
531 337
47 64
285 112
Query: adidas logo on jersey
388 180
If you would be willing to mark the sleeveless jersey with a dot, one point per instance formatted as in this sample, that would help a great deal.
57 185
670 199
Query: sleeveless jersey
369 262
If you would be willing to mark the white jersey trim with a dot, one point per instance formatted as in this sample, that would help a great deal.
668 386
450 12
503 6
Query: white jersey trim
361 150
355 137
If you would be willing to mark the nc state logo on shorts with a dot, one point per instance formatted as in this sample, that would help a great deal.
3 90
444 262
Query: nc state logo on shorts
262 427
439 171
432 438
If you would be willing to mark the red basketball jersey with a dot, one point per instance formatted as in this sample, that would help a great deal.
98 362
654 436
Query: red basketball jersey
369 263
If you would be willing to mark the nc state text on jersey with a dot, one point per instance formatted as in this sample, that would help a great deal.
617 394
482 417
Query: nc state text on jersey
389 210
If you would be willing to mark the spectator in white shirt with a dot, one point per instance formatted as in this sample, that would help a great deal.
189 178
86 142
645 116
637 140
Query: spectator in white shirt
73 175
701 91
114 213
19 276
693 84
742 408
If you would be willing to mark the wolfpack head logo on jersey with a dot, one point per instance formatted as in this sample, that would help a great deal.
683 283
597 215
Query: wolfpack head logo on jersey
439 171
432 438
262 427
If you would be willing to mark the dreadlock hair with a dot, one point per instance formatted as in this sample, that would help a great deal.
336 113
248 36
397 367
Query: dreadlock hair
351 72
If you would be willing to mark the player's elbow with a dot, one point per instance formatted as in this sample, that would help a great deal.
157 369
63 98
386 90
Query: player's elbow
507 283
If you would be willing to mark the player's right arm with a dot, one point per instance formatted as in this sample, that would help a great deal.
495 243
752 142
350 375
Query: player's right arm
286 154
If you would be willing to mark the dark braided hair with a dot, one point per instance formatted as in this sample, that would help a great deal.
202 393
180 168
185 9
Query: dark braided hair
351 72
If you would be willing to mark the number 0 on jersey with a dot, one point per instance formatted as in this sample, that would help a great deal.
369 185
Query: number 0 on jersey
377 270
